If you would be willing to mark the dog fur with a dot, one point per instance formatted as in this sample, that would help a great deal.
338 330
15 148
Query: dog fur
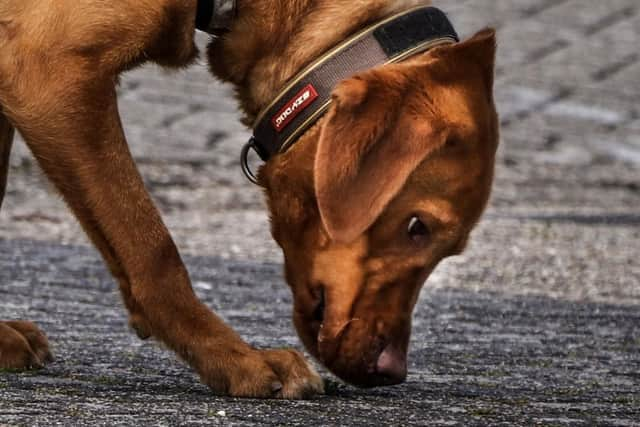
415 139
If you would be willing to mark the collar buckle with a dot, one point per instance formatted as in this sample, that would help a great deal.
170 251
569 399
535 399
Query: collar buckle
244 159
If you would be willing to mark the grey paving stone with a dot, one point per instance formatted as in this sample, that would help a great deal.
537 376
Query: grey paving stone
477 357
537 323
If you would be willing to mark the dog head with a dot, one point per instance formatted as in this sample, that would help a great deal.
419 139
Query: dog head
386 185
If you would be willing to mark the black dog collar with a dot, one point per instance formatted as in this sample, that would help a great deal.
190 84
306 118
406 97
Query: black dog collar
308 95
215 16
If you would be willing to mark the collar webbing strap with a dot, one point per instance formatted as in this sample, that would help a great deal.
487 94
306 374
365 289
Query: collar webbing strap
308 96
215 16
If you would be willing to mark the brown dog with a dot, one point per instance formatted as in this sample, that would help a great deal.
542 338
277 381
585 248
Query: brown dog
366 203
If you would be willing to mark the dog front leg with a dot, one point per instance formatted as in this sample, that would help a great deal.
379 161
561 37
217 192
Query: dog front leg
80 145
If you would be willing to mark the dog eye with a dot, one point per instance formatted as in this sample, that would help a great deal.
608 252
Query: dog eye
418 231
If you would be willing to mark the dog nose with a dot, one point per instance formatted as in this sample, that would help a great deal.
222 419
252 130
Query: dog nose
392 365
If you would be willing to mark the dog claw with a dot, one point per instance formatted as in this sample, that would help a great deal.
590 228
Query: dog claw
35 363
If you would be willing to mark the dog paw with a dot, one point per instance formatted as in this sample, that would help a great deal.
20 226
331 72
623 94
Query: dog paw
23 346
298 378
275 374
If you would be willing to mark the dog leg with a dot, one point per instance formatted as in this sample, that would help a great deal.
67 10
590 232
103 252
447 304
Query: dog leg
80 145
22 344
6 140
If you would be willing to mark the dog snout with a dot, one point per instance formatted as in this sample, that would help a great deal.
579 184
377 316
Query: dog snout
363 354
364 343
371 365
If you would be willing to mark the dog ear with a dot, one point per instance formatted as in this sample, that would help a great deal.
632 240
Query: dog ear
381 126
478 52
369 145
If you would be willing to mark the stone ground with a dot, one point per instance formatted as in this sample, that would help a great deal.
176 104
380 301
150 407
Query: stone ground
538 323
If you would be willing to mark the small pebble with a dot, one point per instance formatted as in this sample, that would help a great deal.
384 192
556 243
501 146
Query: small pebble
203 286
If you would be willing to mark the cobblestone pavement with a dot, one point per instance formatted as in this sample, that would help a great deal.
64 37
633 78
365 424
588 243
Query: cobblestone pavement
537 323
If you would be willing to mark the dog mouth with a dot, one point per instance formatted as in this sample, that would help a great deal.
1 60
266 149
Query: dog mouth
317 316
316 320
361 358
310 320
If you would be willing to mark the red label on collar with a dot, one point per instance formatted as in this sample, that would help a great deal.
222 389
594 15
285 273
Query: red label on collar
290 111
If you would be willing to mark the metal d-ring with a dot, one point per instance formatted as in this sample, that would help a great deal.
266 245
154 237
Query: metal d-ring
244 160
